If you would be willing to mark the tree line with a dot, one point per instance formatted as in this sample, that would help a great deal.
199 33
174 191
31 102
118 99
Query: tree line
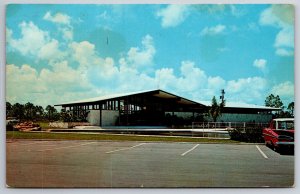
32 112
275 101
29 111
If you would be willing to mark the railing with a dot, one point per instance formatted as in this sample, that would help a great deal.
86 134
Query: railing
224 125
214 128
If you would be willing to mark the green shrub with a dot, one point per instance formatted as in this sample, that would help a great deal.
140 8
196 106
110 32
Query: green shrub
248 134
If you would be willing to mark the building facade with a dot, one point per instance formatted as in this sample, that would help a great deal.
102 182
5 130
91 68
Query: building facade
158 108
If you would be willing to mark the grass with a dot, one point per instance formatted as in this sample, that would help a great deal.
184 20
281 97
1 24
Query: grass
44 124
77 136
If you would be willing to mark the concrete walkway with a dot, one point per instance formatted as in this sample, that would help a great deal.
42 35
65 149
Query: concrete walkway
140 129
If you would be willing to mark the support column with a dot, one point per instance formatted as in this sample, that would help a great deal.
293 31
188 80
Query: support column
100 120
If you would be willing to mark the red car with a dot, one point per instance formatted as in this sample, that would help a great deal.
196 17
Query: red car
280 134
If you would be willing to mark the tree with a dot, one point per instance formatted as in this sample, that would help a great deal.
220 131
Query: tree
273 101
8 109
291 108
65 116
51 112
39 110
29 110
18 111
216 109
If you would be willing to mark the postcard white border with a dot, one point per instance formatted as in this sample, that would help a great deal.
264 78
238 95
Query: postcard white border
3 188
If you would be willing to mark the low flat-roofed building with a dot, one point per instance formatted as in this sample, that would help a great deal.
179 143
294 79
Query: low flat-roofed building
154 108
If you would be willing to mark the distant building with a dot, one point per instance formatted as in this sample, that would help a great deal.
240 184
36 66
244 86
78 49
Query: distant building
159 108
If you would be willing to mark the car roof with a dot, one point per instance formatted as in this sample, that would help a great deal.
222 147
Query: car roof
284 119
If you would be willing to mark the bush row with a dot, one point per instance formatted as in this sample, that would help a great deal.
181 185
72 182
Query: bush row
248 134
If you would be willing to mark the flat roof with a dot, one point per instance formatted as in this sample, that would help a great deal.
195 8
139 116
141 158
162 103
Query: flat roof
167 95
241 105
158 93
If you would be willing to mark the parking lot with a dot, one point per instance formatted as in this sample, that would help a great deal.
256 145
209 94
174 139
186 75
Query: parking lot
36 163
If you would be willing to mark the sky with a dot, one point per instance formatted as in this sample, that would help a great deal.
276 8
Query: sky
62 53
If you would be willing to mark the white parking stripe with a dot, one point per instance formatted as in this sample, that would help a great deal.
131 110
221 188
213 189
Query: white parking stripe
25 144
66 147
125 148
262 153
190 150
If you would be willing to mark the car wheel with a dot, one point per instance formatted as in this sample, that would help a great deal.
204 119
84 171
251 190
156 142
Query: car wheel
273 146
277 149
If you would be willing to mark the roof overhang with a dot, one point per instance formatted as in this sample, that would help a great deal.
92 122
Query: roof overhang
156 93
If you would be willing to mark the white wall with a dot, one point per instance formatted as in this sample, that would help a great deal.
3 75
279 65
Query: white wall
109 117
94 117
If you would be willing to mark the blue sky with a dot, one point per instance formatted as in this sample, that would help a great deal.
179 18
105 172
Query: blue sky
60 53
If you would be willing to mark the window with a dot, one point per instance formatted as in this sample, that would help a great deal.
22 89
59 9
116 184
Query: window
285 125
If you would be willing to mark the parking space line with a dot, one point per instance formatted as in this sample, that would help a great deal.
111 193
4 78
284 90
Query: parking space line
125 148
190 150
50 149
262 153
25 144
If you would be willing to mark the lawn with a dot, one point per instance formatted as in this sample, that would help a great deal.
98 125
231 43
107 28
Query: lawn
10 135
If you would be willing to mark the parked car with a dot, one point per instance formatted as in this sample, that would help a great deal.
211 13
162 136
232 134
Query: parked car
280 134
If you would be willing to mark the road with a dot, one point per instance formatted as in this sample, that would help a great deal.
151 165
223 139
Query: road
33 163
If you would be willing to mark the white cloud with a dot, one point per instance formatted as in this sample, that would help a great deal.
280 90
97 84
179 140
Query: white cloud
237 12
282 17
216 82
195 83
192 77
95 76
285 89
35 42
260 63
62 83
8 33
284 52
278 15
267 18
218 29
173 15
165 77
50 51
31 41
83 52
246 84
22 83
251 89
285 38
141 57
67 33
59 18
64 23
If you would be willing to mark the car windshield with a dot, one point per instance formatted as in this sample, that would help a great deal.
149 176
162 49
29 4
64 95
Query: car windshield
285 125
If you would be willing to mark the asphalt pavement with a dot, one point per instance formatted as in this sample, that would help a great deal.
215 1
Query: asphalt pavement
85 164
